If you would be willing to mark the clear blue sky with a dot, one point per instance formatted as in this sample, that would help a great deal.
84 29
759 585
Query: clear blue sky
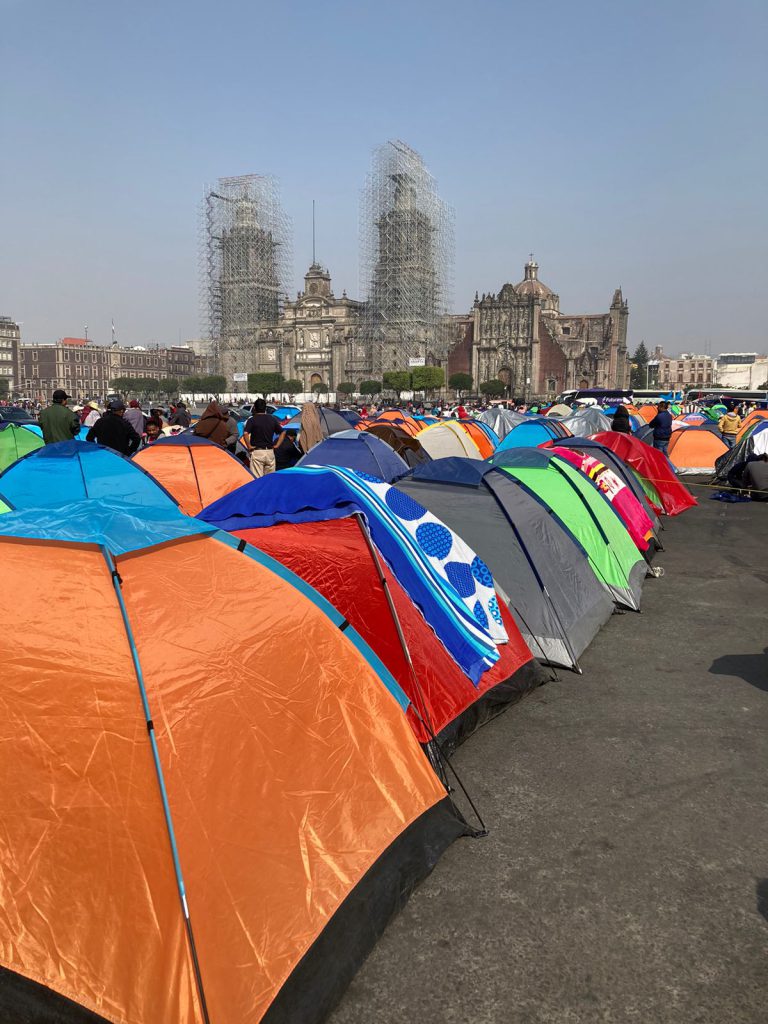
624 143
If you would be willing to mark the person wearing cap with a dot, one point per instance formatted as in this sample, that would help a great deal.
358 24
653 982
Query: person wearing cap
113 431
135 416
58 423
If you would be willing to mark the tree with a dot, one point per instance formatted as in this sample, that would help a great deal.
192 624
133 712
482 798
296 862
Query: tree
427 378
194 385
320 388
493 388
147 386
346 387
460 382
397 381
266 383
214 384
168 386
638 375
122 385
370 387
292 387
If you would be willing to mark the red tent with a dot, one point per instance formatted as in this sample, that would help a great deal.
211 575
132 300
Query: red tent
653 467
335 559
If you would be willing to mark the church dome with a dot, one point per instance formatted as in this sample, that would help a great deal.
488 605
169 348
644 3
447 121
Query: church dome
531 285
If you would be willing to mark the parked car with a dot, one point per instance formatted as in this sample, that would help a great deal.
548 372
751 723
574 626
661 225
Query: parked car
10 414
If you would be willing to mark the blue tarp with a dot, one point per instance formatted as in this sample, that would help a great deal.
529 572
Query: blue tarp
303 495
360 450
72 471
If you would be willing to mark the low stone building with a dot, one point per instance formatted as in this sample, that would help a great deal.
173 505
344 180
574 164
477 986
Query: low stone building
520 336
85 369
675 373
742 370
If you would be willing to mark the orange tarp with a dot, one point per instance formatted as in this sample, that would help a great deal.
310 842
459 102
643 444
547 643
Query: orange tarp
289 769
196 475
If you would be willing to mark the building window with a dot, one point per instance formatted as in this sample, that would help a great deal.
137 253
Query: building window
566 330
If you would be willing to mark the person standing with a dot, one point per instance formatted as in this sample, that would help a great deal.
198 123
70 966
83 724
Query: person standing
728 425
93 413
180 417
135 417
212 425
58 423
620 421
661 424
113 431
259 438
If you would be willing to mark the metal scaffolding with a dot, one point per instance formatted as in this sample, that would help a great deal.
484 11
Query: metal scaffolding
246 266
406 260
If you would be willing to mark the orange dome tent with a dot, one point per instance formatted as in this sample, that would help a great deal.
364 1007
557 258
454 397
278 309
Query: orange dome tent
396 417
205 816
754 417
695 451
647 412
195 471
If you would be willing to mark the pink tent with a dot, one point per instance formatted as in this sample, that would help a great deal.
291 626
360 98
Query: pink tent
629 509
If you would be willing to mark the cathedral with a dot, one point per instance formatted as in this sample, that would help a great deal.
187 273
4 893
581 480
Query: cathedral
521 337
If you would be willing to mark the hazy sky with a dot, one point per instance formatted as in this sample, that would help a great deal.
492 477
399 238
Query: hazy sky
624 143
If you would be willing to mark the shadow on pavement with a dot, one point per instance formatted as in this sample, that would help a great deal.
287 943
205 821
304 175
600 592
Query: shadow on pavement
752 668
761 889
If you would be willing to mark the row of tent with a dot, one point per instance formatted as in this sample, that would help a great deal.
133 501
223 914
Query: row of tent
215 801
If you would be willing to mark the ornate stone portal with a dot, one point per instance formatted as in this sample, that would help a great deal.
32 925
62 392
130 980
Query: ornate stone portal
521 337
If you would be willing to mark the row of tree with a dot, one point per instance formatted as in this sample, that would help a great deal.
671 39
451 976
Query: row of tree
168 387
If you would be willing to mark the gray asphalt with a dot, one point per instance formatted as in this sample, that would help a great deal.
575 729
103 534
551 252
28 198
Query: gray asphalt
625 878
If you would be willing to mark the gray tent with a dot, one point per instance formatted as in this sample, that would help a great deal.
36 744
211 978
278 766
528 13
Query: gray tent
586 421
501 420
544 576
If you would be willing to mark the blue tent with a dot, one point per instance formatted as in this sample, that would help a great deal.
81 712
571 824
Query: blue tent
531 433
286 412
352 417
360 450
70 471
489 432
302 495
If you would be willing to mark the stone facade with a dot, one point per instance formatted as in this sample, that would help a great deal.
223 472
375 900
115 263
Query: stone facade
675 373
10 341
84 369
742 370
521 337
315 340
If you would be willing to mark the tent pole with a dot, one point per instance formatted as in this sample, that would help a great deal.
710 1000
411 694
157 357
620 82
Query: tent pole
117 583
443 762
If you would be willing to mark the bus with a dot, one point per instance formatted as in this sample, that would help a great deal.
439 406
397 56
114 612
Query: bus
594 396
654 396
708 396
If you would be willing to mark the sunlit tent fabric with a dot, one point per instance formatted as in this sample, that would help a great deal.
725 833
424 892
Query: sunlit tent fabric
422 553
621 497
532 432
68 471
334 557
587 420
357 449
695 451
397 417
403 444
540 570
659 481
195 471
15 442
286 412
647 412
502 420
490 433
559 410
583 510
482 441
622 470
258 764
447 438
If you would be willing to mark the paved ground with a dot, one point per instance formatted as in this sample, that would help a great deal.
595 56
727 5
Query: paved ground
626 875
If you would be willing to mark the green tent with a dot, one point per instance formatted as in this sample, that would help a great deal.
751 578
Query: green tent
15 442
585 513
